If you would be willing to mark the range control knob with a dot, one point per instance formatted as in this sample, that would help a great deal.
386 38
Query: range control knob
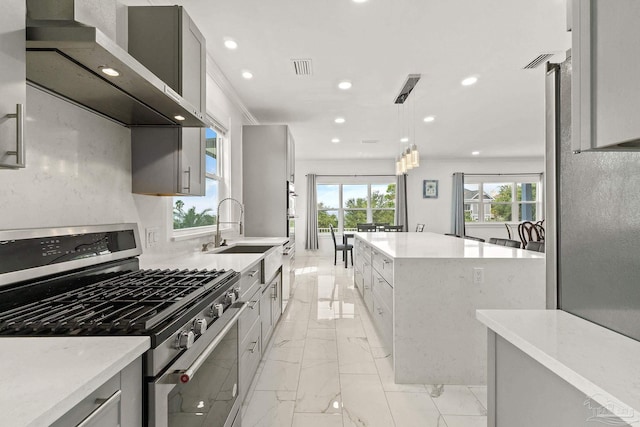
185 339
217 310
231 297
200 326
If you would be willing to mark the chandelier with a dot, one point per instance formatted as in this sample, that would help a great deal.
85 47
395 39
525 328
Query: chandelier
410 157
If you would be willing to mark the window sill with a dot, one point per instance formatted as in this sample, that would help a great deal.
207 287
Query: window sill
187 234
490 224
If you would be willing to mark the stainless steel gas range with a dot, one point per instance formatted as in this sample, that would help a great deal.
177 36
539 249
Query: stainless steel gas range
87 281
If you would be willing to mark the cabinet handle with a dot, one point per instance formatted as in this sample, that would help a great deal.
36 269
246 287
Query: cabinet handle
253 349
20 151
252 306
105 404
380 280
386 261
380 311
275 291
252 273
188 187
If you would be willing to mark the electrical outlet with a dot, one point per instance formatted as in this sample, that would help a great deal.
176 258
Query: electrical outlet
151 236
478 275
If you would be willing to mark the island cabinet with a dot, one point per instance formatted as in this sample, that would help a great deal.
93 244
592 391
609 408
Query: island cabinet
373 277
605 96
420 293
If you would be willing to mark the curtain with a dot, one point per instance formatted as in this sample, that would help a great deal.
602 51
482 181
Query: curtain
401 201
457 209
312 213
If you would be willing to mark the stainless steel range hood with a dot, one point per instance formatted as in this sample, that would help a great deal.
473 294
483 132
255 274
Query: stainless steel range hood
67 57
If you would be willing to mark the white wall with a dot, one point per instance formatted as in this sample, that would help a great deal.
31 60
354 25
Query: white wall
435 213
79 171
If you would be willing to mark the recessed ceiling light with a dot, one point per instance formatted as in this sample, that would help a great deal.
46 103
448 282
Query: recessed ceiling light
110 71
247 75
340 120
335 140
344 85
475 153
359 1
181 118
469 81
429 119
230 44
404 139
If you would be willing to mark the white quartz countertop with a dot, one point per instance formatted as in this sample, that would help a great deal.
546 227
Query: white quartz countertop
597 361
432 245
211 260
47 376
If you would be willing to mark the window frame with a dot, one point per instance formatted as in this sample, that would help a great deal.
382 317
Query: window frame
514 180
222 147
369 182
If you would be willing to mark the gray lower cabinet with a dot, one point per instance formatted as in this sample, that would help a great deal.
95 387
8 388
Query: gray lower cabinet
266 317
168 161
116 403
12 82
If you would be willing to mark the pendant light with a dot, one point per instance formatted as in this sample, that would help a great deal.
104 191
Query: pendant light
410 157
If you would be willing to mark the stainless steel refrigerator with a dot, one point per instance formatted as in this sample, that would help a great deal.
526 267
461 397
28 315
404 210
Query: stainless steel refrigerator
593 221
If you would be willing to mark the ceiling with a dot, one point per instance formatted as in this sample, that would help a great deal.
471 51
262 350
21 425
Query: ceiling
375 45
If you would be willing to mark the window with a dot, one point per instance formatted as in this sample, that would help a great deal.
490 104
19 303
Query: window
200 211
346 205
487 200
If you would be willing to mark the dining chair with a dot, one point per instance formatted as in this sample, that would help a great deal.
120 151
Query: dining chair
366 227
394 228
419 228
344 248
493 240
530 232
512 243
535 246
478 239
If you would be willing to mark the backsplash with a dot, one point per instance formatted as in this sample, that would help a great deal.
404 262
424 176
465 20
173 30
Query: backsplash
78 169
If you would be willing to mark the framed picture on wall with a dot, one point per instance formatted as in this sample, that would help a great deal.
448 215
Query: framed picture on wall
430 189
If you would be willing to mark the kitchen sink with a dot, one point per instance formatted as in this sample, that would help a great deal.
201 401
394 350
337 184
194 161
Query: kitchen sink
242 249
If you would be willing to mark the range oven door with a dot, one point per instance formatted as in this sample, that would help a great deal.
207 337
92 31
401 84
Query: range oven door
201 387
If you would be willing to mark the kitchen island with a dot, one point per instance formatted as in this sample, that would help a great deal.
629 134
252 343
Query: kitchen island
422 290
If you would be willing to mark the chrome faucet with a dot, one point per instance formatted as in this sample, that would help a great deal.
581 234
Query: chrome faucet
218 238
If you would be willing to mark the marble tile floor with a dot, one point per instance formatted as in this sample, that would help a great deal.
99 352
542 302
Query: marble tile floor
325 366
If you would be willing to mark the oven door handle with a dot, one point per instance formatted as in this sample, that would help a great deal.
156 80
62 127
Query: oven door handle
186 375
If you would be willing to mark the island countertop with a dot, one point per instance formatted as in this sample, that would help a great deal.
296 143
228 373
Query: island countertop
433 245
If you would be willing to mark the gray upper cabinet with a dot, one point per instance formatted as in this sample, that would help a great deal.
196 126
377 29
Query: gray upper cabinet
166 41
12 83
606 65
168 161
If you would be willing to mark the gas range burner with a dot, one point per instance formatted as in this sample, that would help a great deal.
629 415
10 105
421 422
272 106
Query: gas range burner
129 303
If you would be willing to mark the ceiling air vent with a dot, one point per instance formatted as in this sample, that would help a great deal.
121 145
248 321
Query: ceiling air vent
538 61
412 81
302 67
369 141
